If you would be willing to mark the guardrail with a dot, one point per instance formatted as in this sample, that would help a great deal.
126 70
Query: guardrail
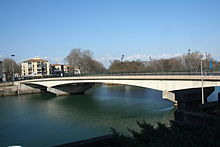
140 73
119 74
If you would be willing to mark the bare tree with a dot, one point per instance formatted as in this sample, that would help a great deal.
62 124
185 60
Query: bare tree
82 60
192 61
97 67
74 59
186 62
10 67
127 66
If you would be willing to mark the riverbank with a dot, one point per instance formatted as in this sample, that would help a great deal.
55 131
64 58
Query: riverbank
14 88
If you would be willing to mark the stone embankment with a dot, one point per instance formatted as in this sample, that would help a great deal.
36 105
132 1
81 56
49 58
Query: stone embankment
7 89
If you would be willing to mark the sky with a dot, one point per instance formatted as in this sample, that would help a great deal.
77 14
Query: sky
137 29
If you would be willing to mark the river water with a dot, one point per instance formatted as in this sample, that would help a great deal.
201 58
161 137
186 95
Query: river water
46 120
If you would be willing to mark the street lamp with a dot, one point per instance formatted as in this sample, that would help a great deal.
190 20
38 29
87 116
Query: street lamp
150 58
202 80
189 51
188 61
122 58
13 70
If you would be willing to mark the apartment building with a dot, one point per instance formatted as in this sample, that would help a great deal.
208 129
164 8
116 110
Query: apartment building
56 69
35 67
63 70
66 69
60 69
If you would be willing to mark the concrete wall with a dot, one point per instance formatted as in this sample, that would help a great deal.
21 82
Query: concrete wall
16 89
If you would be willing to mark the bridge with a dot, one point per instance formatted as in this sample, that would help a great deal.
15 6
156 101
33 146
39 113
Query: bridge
186 91
174 87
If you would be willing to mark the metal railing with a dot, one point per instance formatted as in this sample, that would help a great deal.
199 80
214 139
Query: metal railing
118 74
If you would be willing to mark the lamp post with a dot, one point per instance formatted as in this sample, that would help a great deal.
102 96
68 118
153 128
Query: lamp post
150 59
189 51
13 70
188 62
122 58
203 101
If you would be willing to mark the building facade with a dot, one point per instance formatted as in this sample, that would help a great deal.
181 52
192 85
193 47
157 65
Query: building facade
66 69
63 70
71 70
57 69
35 67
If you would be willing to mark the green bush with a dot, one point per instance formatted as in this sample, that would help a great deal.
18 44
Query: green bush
169 136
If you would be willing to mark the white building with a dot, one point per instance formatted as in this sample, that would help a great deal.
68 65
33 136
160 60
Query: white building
35 67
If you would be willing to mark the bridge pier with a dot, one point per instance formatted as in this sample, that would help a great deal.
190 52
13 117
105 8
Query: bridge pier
188 105
169 96
70 89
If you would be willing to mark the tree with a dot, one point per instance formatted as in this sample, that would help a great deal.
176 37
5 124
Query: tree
191 62
183 63
187 62
83 60
10 67
127 66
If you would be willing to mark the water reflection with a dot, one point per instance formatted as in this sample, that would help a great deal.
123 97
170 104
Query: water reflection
113 107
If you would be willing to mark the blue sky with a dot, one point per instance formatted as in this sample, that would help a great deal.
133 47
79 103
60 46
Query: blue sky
109 28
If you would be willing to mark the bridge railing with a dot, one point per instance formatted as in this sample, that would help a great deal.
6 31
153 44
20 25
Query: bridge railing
143 73
119 74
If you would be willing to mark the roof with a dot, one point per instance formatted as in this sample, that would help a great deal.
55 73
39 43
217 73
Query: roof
55 64
35 60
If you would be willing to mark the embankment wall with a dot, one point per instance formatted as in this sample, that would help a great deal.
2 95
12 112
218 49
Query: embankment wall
7 89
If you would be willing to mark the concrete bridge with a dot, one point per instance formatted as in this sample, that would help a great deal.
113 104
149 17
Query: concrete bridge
174 87
184 90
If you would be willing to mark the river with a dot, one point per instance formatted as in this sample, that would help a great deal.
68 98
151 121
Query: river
46 120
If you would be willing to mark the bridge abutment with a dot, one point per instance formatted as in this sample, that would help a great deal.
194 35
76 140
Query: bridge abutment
188 104
70 89
190 99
